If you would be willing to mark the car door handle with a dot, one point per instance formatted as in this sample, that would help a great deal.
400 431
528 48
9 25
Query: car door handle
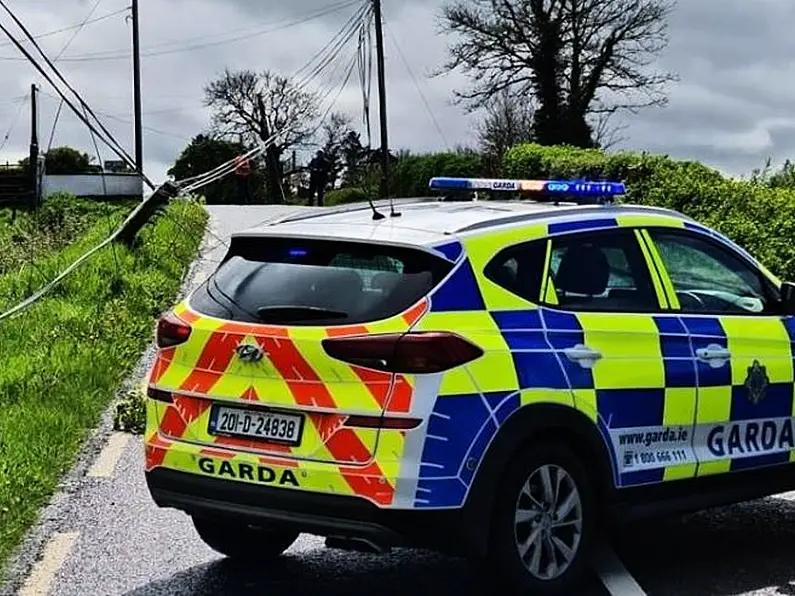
583 355
713 352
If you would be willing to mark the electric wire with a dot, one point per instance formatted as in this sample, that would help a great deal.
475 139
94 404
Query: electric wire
104 17
192 44
416 85
109 140
22 102
194 183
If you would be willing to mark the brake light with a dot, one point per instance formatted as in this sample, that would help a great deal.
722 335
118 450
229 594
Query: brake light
409 353
383 422
171 331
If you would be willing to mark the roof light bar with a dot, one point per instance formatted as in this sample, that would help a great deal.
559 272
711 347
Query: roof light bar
573 188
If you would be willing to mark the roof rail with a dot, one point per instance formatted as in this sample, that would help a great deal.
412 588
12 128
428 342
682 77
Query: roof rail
581 192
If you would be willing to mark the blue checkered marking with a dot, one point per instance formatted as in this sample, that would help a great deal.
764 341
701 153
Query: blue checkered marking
677 353
535 363
703 332
777 404
461 427
564 331
580 225
627 408
460 292
452 250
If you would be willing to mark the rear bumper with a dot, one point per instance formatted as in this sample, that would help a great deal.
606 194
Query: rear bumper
314 513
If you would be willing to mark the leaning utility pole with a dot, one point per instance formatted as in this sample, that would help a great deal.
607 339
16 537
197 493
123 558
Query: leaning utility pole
379 50
139 141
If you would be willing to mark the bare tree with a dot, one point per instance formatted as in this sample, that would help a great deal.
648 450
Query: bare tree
335 131
507 121
255 106
576 58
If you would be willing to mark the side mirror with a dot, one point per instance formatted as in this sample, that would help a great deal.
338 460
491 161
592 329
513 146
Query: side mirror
788 298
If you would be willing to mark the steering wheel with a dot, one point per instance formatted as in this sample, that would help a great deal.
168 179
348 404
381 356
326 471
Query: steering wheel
692 295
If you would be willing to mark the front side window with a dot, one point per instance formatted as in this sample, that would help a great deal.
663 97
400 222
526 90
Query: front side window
708 278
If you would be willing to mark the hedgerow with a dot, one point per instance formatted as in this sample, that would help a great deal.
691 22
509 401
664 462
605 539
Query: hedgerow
757 213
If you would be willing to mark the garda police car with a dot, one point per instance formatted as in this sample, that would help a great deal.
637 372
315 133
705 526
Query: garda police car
493 379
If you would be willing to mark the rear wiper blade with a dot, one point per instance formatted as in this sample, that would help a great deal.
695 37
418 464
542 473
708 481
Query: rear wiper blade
298 313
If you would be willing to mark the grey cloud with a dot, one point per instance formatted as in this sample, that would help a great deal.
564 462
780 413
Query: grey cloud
731 109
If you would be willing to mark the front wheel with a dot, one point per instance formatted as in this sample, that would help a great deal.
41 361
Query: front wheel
543 522
242 542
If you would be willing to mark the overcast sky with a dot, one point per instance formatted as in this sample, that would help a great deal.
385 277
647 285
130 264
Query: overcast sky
733 107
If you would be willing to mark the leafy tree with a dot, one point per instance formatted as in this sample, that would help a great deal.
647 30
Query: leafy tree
65 160
254 106
577 59
205 153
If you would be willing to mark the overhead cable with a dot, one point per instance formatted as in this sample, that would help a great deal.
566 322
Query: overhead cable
107 137
189 45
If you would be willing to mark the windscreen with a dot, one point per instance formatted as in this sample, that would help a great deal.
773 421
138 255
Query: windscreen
317 282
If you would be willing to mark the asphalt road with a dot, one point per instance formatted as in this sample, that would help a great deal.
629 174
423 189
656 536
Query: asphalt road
102 535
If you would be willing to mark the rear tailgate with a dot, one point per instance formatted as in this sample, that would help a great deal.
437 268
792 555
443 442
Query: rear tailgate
253 370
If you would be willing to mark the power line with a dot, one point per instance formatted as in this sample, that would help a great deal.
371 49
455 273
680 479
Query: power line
14 121
190 46
417 85
104 17
109 140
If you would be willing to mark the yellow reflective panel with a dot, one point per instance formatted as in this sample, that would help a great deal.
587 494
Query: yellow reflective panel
673 299
651 266
630 349
758 339
638 220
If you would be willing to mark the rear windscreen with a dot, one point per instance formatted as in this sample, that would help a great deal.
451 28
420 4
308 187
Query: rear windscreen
318 282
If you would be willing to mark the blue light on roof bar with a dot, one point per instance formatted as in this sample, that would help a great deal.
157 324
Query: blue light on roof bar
554 187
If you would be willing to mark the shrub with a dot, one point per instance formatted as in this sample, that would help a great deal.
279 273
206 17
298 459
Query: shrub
410 174
760 218
343 196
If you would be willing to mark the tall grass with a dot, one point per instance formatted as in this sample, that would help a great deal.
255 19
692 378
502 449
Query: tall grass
64 358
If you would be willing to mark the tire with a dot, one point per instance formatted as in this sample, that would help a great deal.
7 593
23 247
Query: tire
242 542
531 575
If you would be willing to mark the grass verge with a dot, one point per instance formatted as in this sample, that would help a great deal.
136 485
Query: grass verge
64 359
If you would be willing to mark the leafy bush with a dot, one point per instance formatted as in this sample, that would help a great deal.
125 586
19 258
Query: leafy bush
756 215
410 174
343 196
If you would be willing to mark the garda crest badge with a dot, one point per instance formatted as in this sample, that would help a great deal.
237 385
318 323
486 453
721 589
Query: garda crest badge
756 382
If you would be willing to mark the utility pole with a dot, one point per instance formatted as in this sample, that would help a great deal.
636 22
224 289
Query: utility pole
136 41
33 157
379 50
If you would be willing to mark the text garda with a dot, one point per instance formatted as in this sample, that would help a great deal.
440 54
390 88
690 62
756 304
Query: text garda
751 437
243 471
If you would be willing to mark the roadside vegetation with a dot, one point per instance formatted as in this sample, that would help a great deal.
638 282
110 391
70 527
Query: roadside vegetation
64 359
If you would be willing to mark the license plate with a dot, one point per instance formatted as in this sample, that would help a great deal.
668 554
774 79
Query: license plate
276 427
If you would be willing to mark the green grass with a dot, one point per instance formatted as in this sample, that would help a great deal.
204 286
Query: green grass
60 221
64 359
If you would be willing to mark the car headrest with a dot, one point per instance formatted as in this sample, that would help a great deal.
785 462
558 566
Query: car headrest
583 270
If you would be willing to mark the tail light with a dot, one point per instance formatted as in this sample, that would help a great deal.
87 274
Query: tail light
158 395
408 353
171 331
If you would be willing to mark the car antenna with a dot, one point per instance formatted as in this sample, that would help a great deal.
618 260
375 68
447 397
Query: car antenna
376 214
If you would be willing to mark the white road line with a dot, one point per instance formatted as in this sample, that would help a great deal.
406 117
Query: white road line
105 465
613 574
40 581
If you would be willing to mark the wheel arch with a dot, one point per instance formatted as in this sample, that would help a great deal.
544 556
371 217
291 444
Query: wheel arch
529 424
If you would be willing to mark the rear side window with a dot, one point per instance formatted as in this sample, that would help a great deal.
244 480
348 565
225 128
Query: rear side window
316 282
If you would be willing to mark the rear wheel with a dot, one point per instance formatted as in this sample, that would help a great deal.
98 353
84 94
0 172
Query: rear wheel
243 542
542 523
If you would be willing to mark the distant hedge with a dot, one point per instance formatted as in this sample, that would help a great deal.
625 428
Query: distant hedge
758 217
410 175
